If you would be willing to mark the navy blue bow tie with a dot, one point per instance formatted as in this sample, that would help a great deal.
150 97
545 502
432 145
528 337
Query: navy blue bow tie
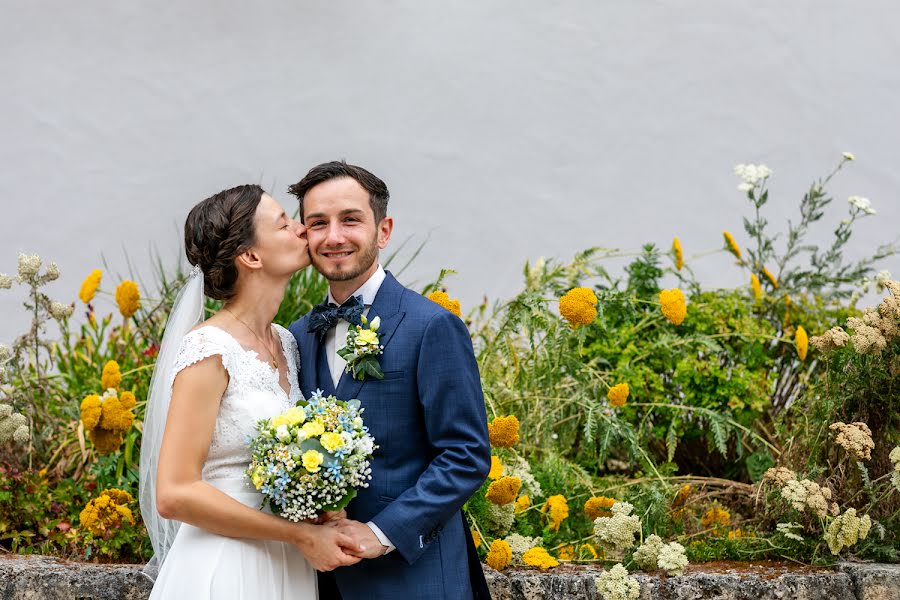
326 315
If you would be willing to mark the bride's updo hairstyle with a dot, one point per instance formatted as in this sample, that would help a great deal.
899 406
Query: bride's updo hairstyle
217 231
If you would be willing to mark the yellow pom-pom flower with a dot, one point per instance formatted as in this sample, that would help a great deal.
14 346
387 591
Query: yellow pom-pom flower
500 555
496 471
107 511
106 441
618 395
89 286
715 517
115 417
442 298
770 278
476 538
313 428
674 305
557 509
732 246
567 552
91 409
503 491
756 287
679 254
523 503
128 298
504 432
801 340
312 460
598 506
111 376
128 400
578 306
540 558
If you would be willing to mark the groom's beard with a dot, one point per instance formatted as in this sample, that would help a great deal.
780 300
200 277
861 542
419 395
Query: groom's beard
366 256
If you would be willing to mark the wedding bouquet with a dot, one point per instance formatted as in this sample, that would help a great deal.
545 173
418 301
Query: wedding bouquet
312 457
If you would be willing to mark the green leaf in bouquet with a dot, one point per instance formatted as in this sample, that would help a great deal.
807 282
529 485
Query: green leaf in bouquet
341 504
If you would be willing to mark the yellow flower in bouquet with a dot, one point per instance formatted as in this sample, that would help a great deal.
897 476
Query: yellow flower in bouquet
89 286
111 376
558 510
674 305
331 441
618 395
313 428
366 337
504 432
128 298
291 416
579 306
503 491
500 555
540 558
442 298
312 460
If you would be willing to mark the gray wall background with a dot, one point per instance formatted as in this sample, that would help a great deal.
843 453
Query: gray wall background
505 129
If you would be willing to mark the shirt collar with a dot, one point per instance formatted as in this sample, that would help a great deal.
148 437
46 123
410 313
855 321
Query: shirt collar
368 290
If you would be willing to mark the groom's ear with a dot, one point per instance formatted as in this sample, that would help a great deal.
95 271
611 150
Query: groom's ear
384 232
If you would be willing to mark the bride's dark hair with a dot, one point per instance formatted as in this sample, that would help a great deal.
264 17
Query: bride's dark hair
218 230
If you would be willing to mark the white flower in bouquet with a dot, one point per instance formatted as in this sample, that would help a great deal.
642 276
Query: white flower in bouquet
312 457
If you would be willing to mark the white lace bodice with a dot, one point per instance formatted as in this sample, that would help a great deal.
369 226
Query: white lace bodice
253 393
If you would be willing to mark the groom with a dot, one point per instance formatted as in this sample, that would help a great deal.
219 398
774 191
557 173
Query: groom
427 413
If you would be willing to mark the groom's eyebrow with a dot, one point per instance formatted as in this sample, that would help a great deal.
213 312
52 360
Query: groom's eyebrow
343 213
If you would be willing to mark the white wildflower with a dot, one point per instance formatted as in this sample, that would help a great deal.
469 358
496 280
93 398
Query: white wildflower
5 353
846 530
807 494
881 280
848 156
855 438
617 532
744 186
615 584
29 265
646 554
52 271
520 544
519 468
60 311
751 175
863 204
500 519
672 559
895 458
787 530
5 281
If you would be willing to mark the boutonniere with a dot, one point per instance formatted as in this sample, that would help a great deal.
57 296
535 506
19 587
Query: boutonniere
363 346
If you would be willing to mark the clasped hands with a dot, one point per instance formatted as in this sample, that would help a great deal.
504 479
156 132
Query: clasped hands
341 542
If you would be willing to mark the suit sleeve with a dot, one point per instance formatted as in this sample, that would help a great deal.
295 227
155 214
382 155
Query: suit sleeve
449 388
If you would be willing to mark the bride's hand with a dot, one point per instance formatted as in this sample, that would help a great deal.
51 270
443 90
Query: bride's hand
326 548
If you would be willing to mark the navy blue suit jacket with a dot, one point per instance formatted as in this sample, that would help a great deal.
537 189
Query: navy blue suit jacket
428 418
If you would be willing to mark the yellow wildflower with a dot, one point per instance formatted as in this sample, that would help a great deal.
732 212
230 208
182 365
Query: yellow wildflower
558 510
503 491
496 471
312 459
787 301
115 417
715 517
674 305
500 555
476 538
106 512
444 300
802 342
523 503
755 285
587 550
681 497
331 441
771 278
91 409
111 376
504 432
127 399
735 534
578 306
118 496
598 506
618 394
128 298
732 246
567 552
313 428
89 286
679 254
540 558
106 441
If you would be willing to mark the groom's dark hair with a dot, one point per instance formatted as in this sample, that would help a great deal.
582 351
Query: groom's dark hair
336 169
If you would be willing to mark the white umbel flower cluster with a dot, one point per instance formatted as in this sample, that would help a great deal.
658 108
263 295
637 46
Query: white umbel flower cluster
13 426
29 265
855 438
646 554
520 544
862 204
617 532
60 311
846 530
895 459
5 281
787 530
615 584
808 494
672 559
751 175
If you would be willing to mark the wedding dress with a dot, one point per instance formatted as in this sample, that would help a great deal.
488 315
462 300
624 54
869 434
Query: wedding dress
201 564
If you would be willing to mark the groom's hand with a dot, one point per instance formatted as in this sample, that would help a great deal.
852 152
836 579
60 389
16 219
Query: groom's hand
327 548
363 536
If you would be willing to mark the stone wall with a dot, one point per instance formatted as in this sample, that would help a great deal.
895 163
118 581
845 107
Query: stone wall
32 578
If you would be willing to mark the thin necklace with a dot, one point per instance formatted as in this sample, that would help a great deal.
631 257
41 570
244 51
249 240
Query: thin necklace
266 346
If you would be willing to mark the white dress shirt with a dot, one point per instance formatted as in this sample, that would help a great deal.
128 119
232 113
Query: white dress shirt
338 335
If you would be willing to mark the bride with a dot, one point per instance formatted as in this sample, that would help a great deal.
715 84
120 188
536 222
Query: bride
212 382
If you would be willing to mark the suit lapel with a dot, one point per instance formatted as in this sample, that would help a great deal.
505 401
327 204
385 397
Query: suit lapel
387 306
